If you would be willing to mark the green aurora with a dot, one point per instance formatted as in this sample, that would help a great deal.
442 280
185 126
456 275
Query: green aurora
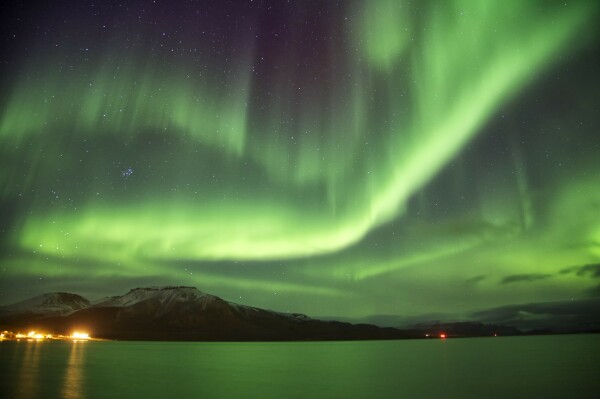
351 159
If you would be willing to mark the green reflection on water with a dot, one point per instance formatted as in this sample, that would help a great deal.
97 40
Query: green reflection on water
549 367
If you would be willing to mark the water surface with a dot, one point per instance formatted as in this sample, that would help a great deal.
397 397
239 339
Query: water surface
512 367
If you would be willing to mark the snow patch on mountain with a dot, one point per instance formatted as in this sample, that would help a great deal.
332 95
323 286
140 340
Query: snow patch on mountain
162 294
54 303
157 302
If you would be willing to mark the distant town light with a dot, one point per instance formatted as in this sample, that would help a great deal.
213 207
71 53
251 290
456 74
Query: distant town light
442 336
80 335
35 335
40 336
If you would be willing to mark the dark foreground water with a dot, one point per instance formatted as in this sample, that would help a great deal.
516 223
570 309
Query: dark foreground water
565 366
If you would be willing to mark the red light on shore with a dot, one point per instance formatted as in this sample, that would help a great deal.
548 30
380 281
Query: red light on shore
442 336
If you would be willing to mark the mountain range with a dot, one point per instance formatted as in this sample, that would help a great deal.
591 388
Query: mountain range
186 313
177 313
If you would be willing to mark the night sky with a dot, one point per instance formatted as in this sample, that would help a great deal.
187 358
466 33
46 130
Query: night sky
335 158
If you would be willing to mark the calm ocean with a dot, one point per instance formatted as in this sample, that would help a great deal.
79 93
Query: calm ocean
513 367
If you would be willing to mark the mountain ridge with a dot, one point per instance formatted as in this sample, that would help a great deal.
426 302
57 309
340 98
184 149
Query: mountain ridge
53 303
186 313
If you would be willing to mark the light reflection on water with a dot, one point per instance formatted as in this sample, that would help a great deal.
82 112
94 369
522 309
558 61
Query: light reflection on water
516 367
29 371
42 369
73 384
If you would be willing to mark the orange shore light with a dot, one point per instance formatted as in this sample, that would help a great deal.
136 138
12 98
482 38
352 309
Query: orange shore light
80 335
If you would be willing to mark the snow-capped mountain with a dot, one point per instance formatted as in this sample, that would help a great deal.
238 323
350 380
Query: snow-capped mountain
162 294
55 303
167 302
168 299
184 313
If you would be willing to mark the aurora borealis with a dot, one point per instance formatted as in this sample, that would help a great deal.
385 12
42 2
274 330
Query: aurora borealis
335 158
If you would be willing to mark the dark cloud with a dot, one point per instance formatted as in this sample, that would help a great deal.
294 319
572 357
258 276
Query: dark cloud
568 270
591 270
476 279
518 278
